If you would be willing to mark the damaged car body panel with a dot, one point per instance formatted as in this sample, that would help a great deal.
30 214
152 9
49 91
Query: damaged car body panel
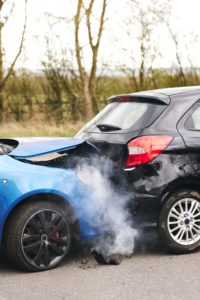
30 147
43 171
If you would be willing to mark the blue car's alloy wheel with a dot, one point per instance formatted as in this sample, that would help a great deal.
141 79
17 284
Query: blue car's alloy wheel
39 237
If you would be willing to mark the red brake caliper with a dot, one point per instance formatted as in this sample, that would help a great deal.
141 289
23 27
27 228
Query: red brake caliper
56 236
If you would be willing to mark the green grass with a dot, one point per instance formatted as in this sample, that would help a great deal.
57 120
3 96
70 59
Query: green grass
28 129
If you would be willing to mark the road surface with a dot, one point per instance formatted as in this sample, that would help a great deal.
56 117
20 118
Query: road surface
151 273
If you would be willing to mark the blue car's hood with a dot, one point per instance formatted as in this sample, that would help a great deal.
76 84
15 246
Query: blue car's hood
30 147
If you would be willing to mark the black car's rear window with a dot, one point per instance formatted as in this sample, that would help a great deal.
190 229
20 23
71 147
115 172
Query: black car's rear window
124 116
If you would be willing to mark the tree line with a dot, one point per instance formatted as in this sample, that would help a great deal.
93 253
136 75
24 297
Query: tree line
46 97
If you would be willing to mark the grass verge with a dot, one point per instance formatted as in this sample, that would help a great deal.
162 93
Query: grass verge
28 129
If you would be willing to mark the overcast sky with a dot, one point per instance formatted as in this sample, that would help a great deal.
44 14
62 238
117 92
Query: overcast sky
185 18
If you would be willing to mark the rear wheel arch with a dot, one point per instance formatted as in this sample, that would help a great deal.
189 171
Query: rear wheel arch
190 184
54 198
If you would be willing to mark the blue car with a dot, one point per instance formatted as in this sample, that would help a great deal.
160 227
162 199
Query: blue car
42 200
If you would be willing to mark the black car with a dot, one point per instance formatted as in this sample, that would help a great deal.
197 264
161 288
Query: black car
154 137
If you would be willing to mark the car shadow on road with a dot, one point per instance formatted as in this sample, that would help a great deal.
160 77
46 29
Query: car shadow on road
150 242
147 241
5 265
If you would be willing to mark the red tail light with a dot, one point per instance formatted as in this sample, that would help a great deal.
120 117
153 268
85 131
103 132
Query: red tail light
145 148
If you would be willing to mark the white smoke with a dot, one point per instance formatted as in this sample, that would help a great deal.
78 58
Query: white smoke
109 202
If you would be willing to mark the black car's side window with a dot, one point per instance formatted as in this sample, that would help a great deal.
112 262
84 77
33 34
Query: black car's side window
196 118
193 122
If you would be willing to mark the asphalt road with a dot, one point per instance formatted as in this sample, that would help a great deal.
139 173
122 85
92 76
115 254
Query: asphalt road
151 273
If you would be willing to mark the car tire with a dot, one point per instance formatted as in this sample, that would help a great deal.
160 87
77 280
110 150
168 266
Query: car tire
179 222
37 236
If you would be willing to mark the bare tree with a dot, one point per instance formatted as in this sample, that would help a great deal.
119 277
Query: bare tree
5 74
63 91
87 75
76 64
144 18
185 70
193 69
182 80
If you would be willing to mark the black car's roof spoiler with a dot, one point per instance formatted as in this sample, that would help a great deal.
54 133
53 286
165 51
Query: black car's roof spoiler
141 96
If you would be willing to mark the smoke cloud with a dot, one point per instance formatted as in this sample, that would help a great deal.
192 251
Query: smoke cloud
109 204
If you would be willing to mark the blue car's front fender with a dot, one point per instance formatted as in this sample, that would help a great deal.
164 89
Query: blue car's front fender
19 180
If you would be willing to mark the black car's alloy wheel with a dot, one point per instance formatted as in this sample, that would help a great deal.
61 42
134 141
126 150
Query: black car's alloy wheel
37 236
180 221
